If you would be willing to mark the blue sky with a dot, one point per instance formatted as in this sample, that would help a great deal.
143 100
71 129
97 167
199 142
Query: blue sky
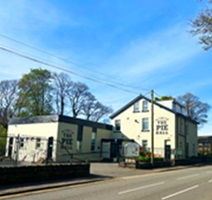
136 45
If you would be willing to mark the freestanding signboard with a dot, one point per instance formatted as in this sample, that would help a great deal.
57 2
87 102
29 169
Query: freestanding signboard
131 149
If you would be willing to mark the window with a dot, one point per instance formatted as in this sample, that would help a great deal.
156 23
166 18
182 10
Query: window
117 125
79 145
38 143
79 137
21 142
181 126
136 107
145 124
193 149
145 106
144 145
93 140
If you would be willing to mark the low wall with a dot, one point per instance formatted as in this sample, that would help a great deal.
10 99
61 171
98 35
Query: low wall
133 163
25 174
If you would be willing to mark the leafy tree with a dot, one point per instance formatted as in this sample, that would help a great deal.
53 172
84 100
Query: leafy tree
35 93
62 84
3 140
196 109
202 27
163 98
8 98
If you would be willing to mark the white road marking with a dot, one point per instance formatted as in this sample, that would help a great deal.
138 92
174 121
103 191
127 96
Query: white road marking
210 181
141 188
185 177
180 192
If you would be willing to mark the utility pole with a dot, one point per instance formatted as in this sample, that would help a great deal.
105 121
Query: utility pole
152 128
17 149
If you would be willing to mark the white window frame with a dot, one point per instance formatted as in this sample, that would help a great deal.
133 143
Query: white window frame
93 141
145 145
136 107
117 125
145 124
38 143
145 106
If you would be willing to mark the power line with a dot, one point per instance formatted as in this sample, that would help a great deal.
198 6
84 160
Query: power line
65 60
63 69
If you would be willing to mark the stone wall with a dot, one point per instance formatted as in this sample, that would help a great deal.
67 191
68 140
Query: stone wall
26 174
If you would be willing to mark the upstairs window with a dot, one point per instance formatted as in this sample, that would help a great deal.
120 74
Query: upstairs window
145 124
117 125
145 106
136 107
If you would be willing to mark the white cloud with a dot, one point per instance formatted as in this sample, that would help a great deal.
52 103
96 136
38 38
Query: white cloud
161 50
30 15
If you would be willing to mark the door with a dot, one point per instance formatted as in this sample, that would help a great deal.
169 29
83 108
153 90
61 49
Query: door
10 147
167 152
106 146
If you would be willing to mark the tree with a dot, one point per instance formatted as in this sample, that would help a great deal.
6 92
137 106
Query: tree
76 95
202 27
163 98
62 84
196 109
8 98
94 110
3 140
35 93
88 105
100 111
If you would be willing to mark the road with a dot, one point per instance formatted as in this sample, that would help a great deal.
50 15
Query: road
191 183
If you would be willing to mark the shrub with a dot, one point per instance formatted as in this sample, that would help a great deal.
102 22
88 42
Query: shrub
146 156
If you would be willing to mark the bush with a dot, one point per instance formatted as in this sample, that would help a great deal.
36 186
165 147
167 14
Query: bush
146 156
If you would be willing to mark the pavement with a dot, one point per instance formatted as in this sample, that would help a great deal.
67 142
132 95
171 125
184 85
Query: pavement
98 172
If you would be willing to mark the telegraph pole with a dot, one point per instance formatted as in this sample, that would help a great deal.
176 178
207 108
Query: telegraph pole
152 128
17 149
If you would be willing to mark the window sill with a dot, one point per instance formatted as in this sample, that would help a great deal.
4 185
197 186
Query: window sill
145 130
136 111
145 110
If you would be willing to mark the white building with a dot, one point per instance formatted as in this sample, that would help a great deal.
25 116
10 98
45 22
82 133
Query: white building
58 138
61 139
171 126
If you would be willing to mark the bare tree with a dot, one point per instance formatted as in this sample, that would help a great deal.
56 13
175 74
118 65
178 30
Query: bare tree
88 105
100 111
76 95
94 110
62 84
8 98
196 109
202 27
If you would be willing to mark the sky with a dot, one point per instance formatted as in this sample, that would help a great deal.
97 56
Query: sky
127 47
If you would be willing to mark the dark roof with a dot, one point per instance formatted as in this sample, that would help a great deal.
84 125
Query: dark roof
59 118
149 100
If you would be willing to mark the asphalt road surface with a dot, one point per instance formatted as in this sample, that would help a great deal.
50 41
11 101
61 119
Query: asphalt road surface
190 184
